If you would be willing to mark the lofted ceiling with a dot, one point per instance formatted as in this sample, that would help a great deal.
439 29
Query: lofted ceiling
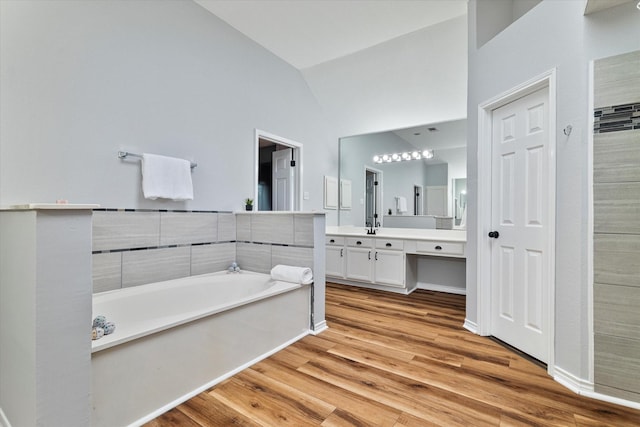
306 33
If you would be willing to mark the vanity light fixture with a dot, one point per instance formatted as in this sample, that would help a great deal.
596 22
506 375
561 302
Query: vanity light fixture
398 157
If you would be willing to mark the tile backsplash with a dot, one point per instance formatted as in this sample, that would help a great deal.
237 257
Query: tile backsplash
135 247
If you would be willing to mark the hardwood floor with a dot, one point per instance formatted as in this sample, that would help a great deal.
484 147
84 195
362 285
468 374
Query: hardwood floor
398 361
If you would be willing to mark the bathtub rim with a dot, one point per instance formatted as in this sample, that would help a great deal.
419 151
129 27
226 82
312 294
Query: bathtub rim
278 287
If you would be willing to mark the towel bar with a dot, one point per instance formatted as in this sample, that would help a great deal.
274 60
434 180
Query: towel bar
125 154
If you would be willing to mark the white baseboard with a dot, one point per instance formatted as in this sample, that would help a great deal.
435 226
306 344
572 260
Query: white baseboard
211 383
442 288
4 422
585 388
470 326
319 327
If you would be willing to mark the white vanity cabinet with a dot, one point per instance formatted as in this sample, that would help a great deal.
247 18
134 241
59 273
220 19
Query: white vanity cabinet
335 256
389 262
396 261
359 255
366 259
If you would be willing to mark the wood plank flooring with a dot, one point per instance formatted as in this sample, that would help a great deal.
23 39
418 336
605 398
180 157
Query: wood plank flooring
397 361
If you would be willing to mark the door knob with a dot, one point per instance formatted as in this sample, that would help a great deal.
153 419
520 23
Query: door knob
494 234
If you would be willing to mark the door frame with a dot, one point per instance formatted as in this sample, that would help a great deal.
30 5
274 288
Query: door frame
483 250
378 194
297 173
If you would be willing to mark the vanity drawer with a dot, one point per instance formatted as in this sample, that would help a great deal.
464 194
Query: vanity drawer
361 242
442 248
335 240
392 244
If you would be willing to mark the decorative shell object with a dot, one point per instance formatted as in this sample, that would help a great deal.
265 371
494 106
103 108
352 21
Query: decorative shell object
99 322
109 327
97 333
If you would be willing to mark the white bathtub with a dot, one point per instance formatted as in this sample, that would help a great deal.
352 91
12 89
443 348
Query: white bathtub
177 338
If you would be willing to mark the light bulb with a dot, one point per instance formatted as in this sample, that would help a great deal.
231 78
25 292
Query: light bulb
427 154
406 156
415 155
376 159
386 158
396 157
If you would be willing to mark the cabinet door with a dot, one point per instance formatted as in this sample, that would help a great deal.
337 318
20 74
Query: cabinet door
359 264
335 261
389 267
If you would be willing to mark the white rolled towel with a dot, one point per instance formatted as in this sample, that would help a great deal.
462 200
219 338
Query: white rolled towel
288 273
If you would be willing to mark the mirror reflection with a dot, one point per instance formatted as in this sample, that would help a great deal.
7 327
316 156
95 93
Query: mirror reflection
405 178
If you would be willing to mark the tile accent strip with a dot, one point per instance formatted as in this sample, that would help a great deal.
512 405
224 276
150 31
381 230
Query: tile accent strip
108 251
616 118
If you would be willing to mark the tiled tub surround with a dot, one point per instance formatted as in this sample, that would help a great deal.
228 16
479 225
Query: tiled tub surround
616 198
136 247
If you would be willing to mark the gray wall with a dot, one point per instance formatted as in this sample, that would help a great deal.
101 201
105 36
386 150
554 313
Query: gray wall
554 34
82 79
411 80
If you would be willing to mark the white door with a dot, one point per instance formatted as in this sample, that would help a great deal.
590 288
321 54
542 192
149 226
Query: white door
282 188
520 277
436 200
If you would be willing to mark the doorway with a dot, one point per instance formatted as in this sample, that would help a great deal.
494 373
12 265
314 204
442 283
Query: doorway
516 226
278 173
373 197
417 199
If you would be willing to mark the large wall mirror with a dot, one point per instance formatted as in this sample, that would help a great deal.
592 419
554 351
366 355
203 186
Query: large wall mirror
423 176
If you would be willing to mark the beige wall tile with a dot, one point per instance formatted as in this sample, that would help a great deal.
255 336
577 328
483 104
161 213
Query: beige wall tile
616 156
272 228
303 230
617 80
188 227
254 257
616 208
107 271
287 255
617 259
155 265
617 363
212 258
123 230
243 228
226 227
616 310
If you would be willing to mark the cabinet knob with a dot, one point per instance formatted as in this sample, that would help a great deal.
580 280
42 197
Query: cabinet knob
388 245
369 256
358 242
332 241
376 256
438 248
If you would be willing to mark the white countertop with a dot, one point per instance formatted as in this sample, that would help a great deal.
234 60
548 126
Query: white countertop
401 233
51 206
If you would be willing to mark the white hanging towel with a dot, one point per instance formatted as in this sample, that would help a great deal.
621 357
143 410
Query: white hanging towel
166 177
401 204
288 273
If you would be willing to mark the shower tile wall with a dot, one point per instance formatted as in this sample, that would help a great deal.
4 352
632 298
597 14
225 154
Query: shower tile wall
616 194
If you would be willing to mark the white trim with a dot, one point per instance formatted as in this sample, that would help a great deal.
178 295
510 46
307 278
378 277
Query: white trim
442 288
319 327
211 383
297 156
483 250
470 326
586 388
590 229
4 421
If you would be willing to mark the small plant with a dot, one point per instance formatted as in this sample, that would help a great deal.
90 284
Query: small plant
248 204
